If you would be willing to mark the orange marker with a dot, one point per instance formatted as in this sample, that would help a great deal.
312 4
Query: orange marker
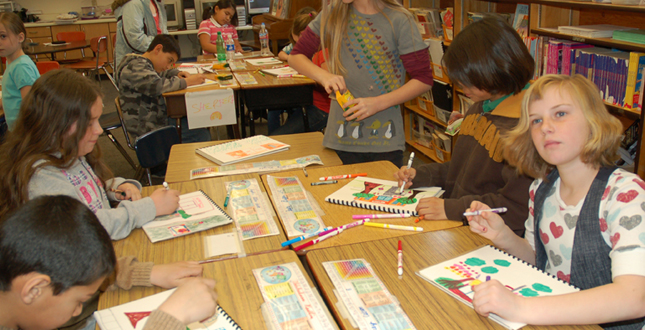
418 219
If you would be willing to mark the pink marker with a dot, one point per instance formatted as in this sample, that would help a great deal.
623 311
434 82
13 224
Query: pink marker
347 226
381 216
319 239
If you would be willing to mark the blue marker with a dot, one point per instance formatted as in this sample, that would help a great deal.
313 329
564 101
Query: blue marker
304 237
228 195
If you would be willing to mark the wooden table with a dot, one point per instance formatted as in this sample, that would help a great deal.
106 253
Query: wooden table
427 306
176 101
183 157
50 49
238 292
338 215
191 247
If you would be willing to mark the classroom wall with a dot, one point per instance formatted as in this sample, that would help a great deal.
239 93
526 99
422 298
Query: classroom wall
51 9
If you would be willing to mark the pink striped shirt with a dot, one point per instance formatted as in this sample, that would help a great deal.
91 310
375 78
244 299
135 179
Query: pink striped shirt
211 27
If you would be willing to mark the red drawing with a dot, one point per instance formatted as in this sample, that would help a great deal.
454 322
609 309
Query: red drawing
136 317
544 236
556 230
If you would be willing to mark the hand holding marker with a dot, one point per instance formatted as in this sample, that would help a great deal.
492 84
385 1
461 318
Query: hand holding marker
479 212
409 165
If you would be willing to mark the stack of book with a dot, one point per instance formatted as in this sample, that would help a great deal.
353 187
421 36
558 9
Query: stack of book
636 36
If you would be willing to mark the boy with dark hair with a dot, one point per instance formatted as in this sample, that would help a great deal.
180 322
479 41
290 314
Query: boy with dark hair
491 64
142 80
45 278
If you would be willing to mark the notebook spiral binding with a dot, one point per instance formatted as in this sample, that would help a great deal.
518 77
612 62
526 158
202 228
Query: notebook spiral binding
217 206
534 267
369 206
228 318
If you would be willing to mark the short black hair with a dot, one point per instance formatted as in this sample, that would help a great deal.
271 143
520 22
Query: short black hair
170 45
56 236
489 55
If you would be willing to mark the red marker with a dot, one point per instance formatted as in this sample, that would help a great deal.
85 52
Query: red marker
338 177
400 267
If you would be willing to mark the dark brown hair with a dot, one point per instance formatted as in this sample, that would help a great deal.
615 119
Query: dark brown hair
301 21
58 103
489 55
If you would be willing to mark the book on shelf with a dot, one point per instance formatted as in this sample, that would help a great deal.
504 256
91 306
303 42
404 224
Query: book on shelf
456 277
592 31
134 315
521 19
639 88
635 36
442 96
241 150
636 65
381 195
196 212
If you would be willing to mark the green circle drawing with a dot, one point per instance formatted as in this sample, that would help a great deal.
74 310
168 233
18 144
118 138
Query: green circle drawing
405 200
474 262
490 270
526 292
541 287
501 262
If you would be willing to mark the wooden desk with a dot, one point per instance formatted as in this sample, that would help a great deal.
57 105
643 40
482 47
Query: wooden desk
183 157
191 247
49 49
238 292
338 215
275 93
427 306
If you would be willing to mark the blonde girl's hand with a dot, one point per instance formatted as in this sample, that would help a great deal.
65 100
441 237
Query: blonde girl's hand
333 83
172 275
166 201
405 174
131 191
488 224
194 300
493 297
363 108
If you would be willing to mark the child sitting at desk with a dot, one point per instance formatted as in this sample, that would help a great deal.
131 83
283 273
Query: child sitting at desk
142 81
21 71
222 17
46 279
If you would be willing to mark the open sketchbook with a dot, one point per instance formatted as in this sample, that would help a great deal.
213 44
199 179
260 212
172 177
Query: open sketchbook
241 150
456 277
381 195
134 315
196 212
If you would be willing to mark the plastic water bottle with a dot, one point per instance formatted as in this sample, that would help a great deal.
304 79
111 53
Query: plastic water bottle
230 47
221 51
264 41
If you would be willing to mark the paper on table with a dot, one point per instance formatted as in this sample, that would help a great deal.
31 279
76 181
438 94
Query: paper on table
207 82
217 245
264 61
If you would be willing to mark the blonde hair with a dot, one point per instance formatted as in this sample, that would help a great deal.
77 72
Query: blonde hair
605 130
333 28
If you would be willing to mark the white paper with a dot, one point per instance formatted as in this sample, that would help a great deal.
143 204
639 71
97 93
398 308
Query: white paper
263 61
210 108
218 245
207 82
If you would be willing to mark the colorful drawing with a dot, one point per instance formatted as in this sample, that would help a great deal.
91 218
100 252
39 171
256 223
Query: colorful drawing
307 226
136 317
250 209
385 194
352 269
255 229
293 205
276 274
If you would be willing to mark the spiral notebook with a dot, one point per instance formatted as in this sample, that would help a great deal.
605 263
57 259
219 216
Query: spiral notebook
381 195
134 315
196 212
241 150
457 275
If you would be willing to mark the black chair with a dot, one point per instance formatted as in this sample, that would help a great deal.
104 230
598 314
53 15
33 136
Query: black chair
110 121
153 148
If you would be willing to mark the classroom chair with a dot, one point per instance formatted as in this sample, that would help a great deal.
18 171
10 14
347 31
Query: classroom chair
70 36
46 66
153 148
109 122
96 63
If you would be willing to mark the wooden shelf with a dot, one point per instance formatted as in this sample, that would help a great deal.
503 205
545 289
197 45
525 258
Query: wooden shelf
604 42
580 4
423 113
430 153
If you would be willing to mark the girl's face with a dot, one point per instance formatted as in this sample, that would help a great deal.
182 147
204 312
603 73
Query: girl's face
558 128
223 16
10 43
476 94
87 143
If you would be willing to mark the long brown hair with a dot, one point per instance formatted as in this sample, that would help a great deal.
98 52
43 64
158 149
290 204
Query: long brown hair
58 102
13 23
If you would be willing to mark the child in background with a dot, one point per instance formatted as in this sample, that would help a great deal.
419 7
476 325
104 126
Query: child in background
142 81
372 68
491 64
46 279
53 152
137 23
584 224
21 71
222 17
318 112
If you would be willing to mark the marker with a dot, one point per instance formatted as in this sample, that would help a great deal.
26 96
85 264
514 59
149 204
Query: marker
337 177
304 237
343 227
389 226
419 219
319 239
165 185
323 182
196 68
305 170
400 265
409 165
228 195
381 216
118 192
292 76
495 210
